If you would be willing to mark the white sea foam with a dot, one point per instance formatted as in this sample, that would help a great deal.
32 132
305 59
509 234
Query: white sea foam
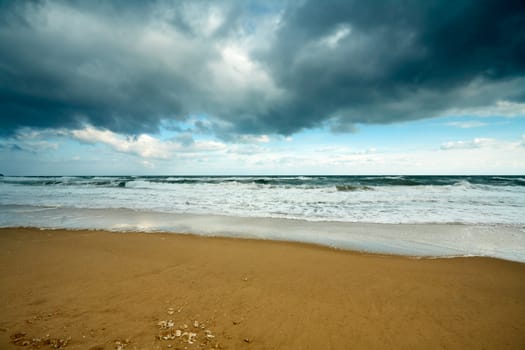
291 197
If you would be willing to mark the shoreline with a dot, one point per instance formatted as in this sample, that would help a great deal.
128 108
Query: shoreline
102 290
276 241
412 239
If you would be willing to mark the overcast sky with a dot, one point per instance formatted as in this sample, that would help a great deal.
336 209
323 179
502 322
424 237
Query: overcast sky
262 87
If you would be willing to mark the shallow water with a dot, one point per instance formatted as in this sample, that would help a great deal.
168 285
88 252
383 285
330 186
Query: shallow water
419 240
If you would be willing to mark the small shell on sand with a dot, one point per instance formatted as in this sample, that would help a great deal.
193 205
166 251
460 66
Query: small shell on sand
167 331
191 337
166 324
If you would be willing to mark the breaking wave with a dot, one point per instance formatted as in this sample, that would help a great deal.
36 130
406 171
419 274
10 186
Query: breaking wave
342 183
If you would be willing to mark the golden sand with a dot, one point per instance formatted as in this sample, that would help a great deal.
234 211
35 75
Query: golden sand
101 290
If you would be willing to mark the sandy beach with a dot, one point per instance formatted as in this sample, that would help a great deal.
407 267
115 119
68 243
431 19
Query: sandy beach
103 290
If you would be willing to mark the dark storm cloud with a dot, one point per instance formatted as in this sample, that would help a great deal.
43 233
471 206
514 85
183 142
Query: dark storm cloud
63 65
399 59
127 66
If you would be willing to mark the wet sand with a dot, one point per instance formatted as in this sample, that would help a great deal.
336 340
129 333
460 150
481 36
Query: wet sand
102 290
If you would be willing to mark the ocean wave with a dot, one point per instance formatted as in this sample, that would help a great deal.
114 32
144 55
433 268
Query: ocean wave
509 181
343 198
463 184
286 182
351 188
65 181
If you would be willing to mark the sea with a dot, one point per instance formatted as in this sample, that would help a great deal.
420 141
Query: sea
419 216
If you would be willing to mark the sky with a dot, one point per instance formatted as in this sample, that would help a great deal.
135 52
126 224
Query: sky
262 87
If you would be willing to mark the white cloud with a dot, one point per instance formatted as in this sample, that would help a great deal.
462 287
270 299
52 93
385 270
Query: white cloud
152 154
144 145
467 124
31 140
332 40
205 146
478 142
254 139
344 151
236 76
